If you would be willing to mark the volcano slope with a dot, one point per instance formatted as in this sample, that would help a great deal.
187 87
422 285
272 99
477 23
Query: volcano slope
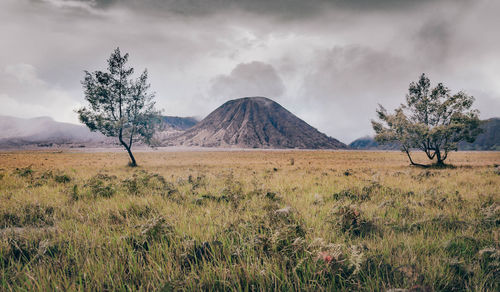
254 122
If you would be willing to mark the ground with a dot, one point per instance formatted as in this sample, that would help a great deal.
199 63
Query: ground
248 220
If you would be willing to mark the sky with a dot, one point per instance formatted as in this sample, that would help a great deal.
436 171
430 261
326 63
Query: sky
330 62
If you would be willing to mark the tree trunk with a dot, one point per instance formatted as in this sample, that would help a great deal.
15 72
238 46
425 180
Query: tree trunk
440 161
132 163
409 157
411 160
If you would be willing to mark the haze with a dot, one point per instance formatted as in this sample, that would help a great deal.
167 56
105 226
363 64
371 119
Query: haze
328 62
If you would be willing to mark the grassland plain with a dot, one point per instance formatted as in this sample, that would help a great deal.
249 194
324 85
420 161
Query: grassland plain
248 220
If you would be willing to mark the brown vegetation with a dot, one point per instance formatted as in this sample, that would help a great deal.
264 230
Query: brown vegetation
248 220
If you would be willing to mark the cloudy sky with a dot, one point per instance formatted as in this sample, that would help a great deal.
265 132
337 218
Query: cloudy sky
330 62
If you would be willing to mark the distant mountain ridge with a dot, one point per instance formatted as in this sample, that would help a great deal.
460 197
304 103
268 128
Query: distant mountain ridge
15 132
45 132
489 140
369 143
179 123
254 122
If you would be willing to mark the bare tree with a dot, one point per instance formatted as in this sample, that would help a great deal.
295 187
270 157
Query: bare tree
118 105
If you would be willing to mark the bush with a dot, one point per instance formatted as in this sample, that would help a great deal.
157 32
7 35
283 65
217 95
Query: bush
154 230
34 215
63 178
489 258
24 172
101 186
142 182
351 221
23 249
197 253
462 247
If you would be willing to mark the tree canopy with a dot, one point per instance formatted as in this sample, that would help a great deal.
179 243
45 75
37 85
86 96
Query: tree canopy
118 105
432 120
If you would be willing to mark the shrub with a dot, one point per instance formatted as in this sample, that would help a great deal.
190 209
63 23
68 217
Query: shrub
233 190
63 178
154 230
23 249
278 234
196 253
489 258
34 215
197 182
490 214
99 189
138 211
101 186
462 247
24 172
143 182
351 221
351 194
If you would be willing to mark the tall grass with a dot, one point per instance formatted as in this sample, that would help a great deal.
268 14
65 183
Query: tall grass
251 221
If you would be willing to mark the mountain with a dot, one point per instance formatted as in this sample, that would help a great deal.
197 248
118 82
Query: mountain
174 126
254 122
488 140
43 131
368 143
179 123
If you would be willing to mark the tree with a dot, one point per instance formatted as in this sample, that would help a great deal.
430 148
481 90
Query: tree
120 106
432 120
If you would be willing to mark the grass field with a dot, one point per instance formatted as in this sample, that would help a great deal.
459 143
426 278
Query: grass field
248 220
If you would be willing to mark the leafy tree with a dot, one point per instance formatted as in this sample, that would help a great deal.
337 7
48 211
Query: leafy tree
120 106
432 120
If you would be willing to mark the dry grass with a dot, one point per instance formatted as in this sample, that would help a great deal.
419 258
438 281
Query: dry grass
249 220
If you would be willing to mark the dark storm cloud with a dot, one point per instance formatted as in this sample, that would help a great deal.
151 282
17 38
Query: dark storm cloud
286 8
282 8
438 36
328 61
435 38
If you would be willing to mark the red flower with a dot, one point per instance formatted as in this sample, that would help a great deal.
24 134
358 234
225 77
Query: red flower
326 257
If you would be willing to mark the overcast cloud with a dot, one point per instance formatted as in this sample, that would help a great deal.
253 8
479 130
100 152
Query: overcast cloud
328 61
